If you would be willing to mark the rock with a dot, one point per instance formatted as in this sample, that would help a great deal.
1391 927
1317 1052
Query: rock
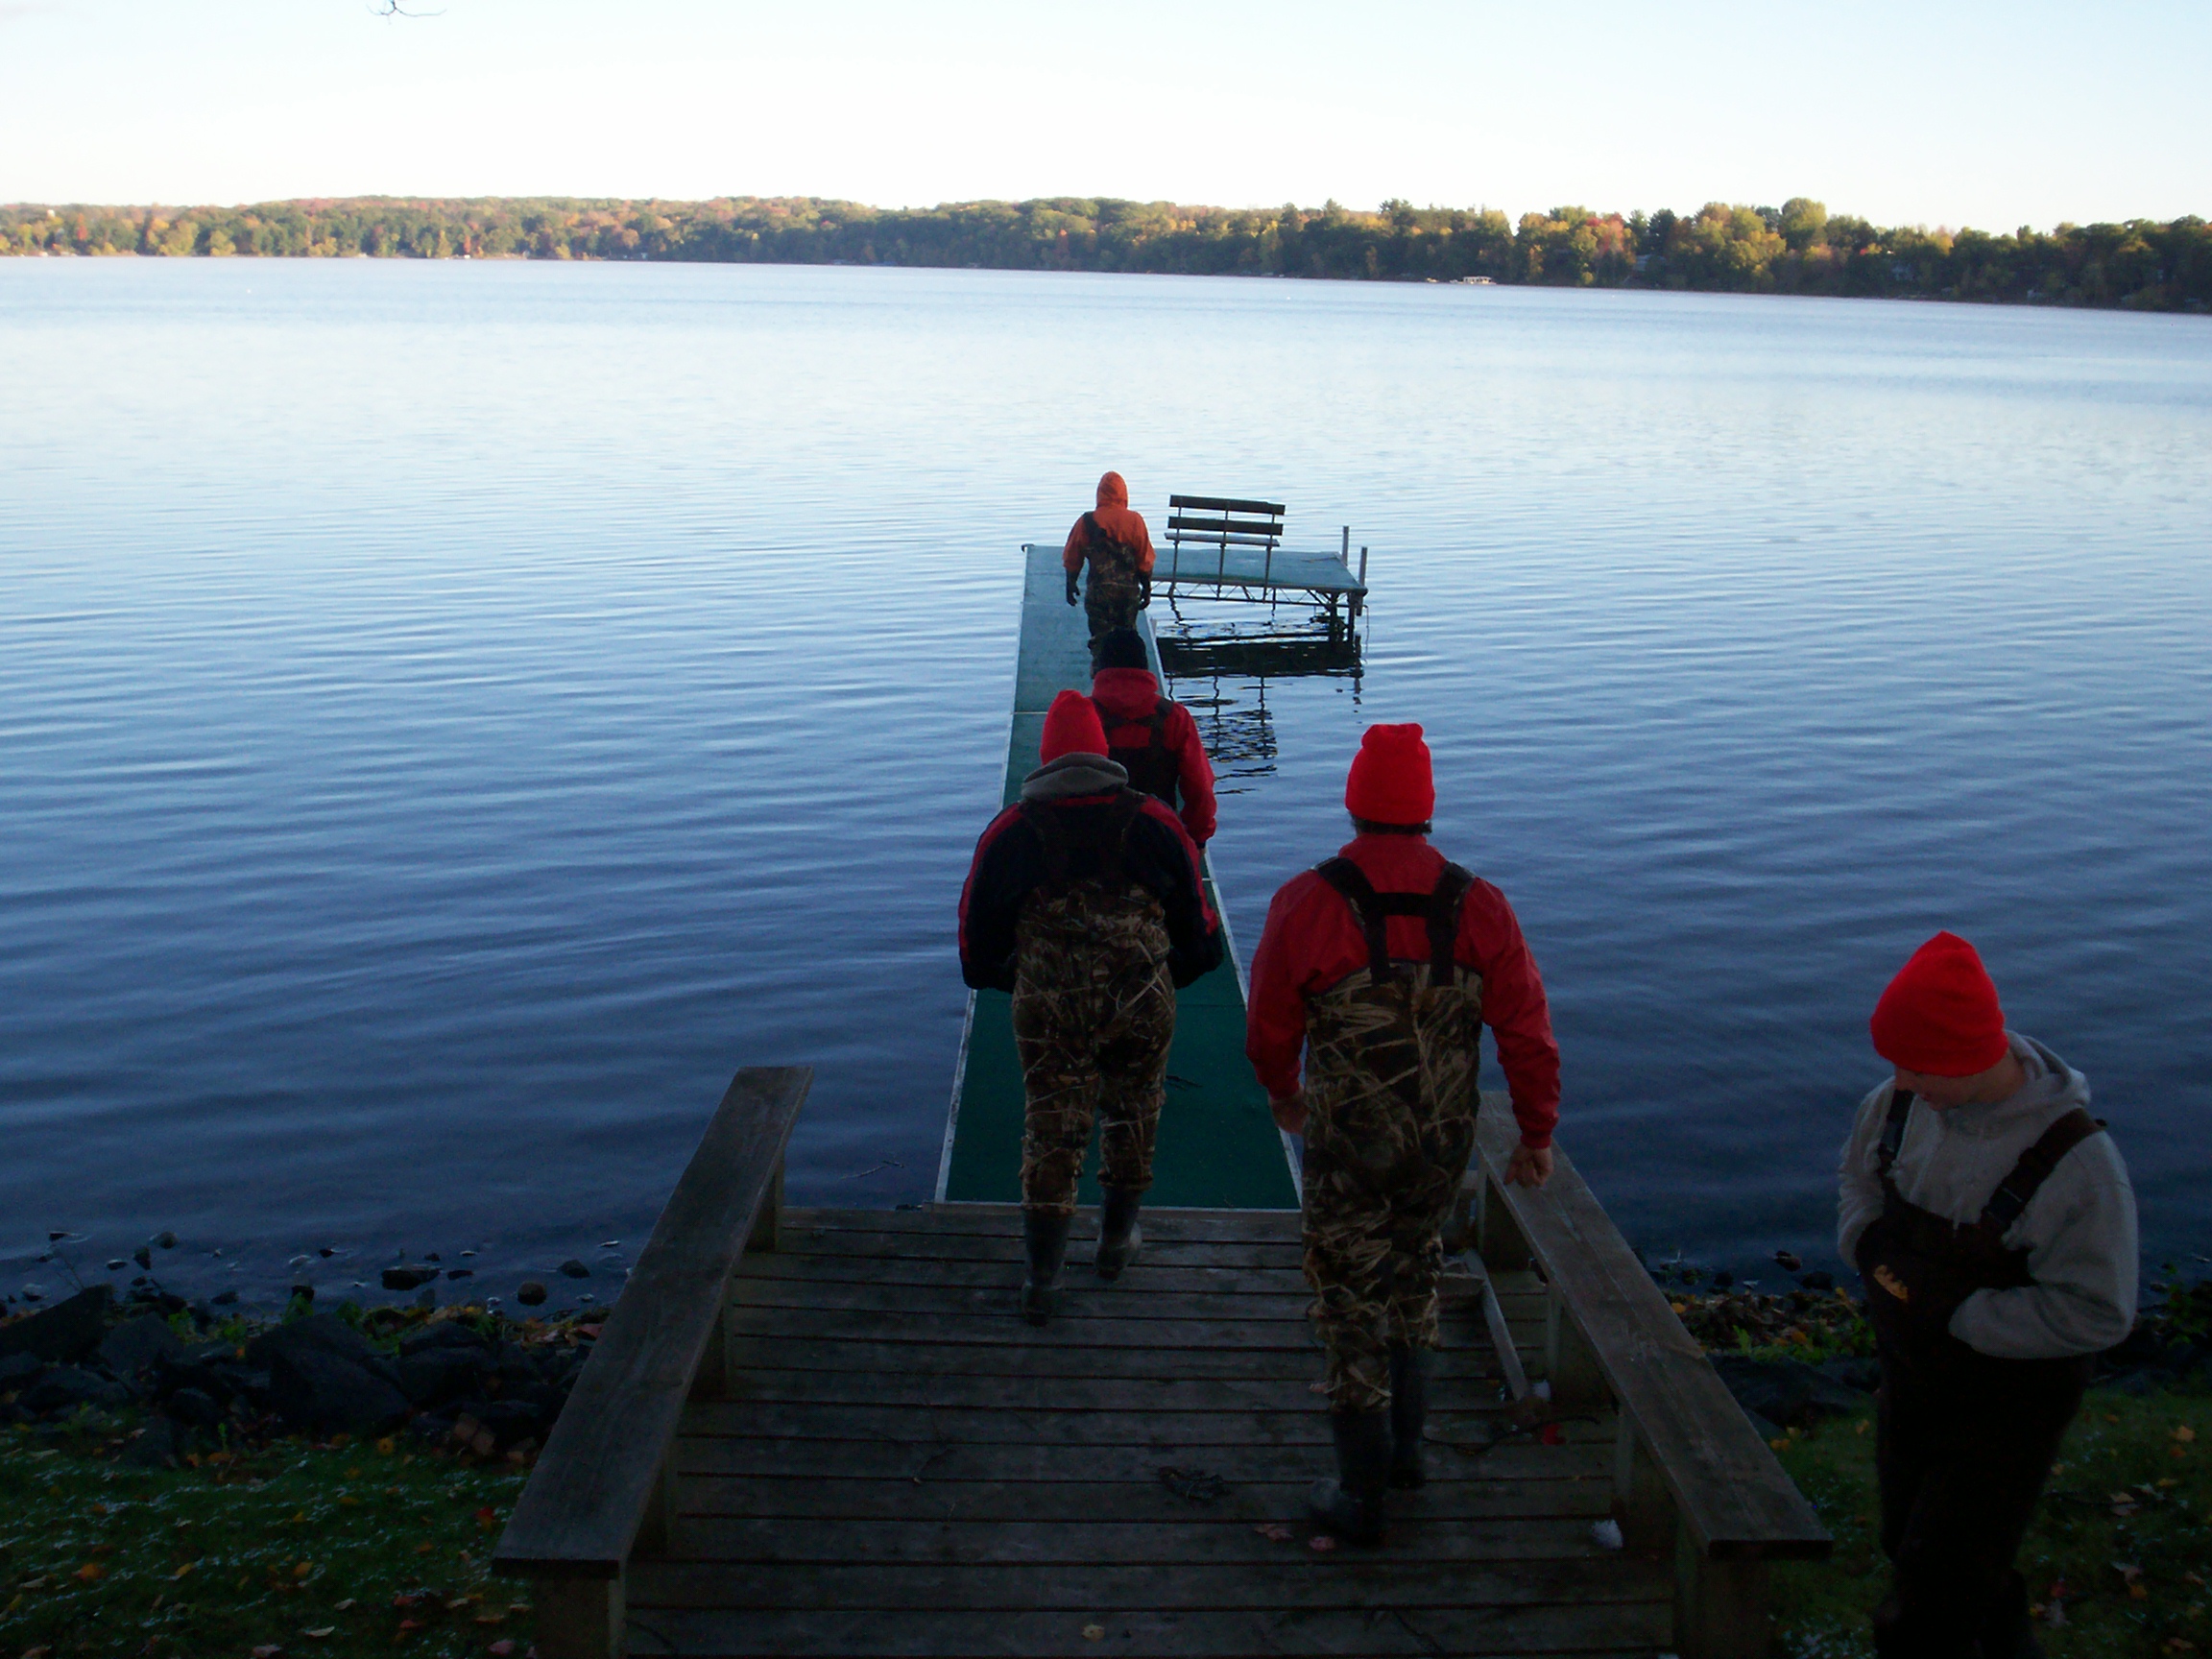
325 1334
439 1374
143 1256
326 1252
1788 1392
407 1278
118 1264
66 1387
139 1345
1817 1280
65 1331
19 1369
156 1446
447 1334
194 1407
315 1389
224 1298
303 1293
162 1302
508 1421
531 1293
460 1272
167 1241
1787 1260
1722 1278
1863 1375
433 1256
427 1297
575 1269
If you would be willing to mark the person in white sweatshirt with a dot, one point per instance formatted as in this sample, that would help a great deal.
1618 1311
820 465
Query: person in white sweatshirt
1993 1222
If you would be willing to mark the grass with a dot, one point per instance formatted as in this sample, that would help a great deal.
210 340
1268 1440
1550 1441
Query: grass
339 1549
2118 1558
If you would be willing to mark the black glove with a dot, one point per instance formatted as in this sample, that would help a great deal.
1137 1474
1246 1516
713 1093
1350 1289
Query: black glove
1071 587
1146 603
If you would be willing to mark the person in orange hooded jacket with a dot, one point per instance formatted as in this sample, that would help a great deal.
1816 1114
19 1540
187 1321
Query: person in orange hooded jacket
1114 542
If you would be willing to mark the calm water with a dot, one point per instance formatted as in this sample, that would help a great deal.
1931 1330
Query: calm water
451 715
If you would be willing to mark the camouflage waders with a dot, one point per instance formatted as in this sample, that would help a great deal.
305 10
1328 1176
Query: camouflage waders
1391 1095
1094 1013
1114 591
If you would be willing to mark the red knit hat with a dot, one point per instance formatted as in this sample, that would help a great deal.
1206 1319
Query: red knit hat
1072 728
1391 782
1940 1014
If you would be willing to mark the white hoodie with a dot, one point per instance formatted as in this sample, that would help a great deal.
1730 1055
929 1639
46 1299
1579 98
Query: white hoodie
2079 1230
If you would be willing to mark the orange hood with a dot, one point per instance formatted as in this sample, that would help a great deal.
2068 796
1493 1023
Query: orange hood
1113 490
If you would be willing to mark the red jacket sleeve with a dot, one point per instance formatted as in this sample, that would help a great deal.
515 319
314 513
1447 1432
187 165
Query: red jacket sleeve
1275 1018
1514 1008
1195 774
1071 553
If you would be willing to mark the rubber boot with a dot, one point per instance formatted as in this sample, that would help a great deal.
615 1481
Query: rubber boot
1119 1238
1351 1505
1044 1231
1408 1416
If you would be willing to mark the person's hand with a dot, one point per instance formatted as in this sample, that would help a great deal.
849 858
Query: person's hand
1530 1166
1071 587
1146 603
1289 1113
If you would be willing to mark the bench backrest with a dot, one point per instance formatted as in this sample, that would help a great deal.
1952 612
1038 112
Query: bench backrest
1222 522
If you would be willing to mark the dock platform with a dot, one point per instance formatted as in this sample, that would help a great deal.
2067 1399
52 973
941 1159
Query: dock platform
1218 1147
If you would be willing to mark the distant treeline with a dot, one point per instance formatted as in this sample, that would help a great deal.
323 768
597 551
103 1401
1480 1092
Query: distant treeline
1794 249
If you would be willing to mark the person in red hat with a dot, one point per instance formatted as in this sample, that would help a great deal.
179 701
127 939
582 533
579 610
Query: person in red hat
1382 965
1085 900
1993 1222
1151 738
1114 541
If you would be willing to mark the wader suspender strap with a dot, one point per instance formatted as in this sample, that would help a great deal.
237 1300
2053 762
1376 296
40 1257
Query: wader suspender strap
1438 908
1052 836
1126 805
1893 1132
2016 1189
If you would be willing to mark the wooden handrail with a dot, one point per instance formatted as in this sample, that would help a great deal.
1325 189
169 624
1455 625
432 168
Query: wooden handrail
601 1487
1686 1446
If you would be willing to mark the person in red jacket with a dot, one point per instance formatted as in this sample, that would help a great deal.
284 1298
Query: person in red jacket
1383 964
1148 737
1085 900
1114 542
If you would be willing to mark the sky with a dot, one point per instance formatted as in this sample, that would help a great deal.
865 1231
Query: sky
1990 114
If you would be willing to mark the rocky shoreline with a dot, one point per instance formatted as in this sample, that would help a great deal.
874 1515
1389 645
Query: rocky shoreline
463 1377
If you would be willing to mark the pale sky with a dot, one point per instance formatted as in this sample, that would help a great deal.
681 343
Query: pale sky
1991 115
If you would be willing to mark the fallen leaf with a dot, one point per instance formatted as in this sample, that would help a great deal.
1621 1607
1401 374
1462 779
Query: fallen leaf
303 1569
1274 1530
1550 1435
346 1605
1322 1541
187 1568
486 1517
2139 1591
91 1573
502 1649
424 1548
387 1445
267 1650
492 1616
2184 1433
1094 1632
321 1631
407 1625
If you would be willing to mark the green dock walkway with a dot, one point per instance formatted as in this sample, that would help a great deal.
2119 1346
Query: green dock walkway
1219 1149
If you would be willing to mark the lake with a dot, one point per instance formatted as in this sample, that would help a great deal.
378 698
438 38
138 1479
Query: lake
452 714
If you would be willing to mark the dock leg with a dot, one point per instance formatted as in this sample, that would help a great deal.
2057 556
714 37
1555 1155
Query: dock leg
1721 1608
581 1618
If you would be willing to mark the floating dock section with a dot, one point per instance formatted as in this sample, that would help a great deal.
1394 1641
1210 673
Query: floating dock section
1218 1147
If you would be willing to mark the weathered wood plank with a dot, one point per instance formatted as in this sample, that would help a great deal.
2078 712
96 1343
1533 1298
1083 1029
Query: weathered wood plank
1731 1494
1072 1542
832 1352
1378 1633
866 1503
925 1460
977 1247
1290 1579
1004 1221
1002 1329
590 1489
1448 1392
1306 1425
931 1270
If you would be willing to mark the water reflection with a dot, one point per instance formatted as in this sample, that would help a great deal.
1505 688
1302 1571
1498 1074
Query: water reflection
1219 664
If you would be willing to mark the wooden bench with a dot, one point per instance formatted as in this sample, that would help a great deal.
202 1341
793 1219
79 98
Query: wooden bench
1690 1475
603 1489
1221 522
